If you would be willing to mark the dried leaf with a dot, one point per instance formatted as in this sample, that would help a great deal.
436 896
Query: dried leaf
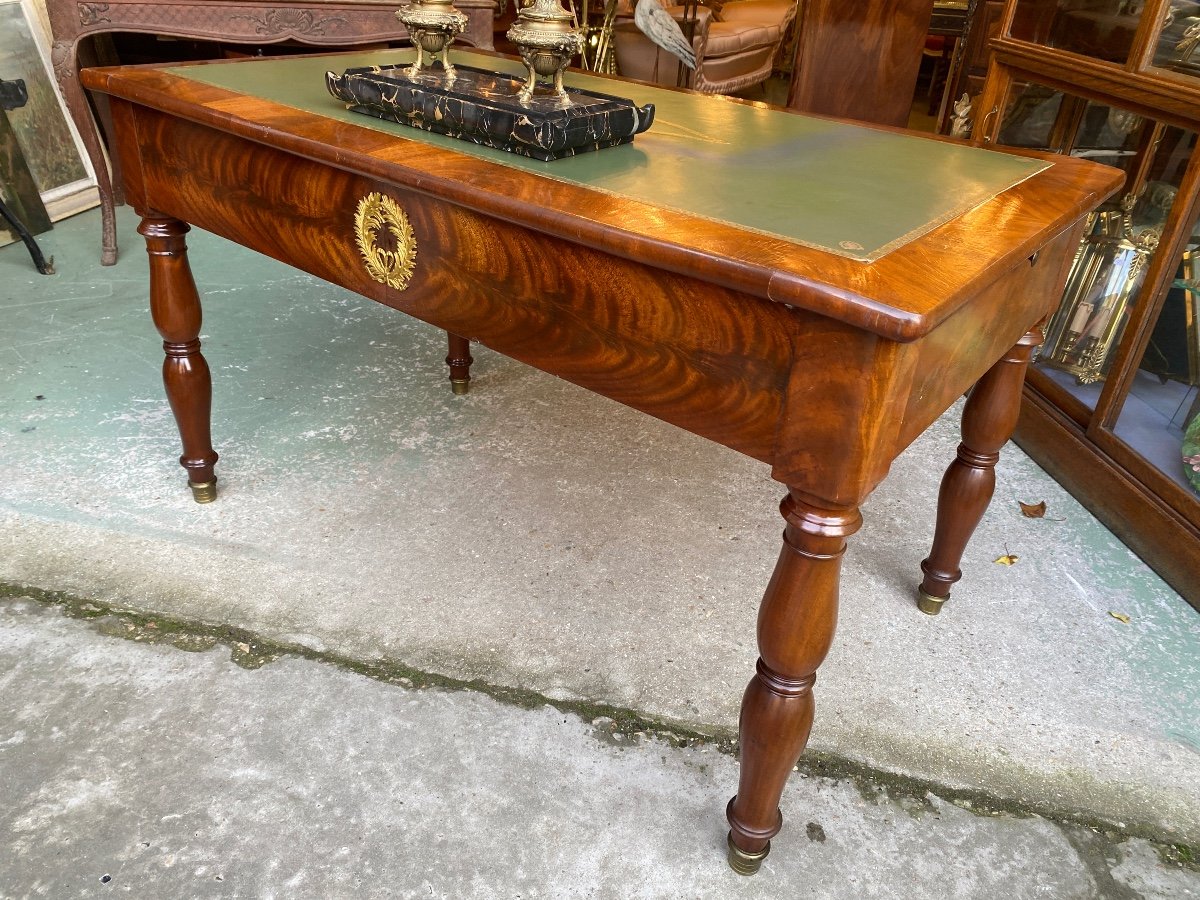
1033 510
1007 559
1120 617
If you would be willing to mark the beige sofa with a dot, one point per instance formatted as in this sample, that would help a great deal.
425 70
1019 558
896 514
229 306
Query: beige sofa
735 46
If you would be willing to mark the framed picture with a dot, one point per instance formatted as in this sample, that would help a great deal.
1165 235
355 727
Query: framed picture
44 131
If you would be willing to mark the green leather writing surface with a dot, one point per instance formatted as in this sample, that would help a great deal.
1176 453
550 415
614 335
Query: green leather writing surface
842 188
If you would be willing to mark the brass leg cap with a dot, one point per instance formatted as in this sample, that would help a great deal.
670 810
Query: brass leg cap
460 386
205 492
929 604
742 862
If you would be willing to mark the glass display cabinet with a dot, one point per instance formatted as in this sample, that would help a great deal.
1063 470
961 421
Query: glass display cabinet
1112 403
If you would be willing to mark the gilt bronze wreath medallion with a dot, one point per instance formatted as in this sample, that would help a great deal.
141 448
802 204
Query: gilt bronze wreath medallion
386 240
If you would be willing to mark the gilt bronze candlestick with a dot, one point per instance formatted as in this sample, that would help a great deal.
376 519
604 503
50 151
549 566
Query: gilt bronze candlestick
546 38
514 113
432 25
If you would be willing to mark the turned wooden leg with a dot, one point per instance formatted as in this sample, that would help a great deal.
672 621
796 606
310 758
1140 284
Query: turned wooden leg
175 306
459 360
988 421
795 628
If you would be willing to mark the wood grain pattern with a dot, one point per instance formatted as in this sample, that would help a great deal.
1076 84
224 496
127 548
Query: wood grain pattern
859 60
680 327
658 342
822 367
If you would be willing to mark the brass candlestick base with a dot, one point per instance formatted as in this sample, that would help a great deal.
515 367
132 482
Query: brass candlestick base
433 25
546 39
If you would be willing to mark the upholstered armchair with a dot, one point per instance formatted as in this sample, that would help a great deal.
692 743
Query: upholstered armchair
735 46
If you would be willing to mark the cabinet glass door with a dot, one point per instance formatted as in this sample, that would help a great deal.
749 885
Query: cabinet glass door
1177 45
1111 406
1101 30
1030 116
1160 418
1106 288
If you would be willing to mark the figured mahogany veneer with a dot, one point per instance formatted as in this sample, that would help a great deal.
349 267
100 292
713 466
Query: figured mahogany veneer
822 367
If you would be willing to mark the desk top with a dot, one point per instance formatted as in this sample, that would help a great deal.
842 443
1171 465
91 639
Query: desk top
882 229
825 184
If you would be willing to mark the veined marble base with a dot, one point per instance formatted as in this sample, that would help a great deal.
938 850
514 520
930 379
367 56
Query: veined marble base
483 107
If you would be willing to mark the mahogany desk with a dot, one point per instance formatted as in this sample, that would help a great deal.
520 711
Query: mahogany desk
811 293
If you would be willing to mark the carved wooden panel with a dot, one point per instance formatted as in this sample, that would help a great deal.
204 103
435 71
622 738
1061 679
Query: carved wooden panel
311 23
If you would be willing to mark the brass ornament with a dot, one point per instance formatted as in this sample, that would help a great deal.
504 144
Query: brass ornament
1190 41
546 38
378 214
433 25
1103 285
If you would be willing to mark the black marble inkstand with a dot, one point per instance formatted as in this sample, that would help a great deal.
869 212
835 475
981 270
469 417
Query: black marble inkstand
531 118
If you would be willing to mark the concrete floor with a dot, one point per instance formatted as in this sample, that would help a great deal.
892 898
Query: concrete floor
540 544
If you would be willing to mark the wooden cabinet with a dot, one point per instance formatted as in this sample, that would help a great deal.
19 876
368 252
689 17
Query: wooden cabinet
1111 405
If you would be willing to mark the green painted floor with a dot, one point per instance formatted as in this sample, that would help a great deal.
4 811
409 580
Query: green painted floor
533 536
